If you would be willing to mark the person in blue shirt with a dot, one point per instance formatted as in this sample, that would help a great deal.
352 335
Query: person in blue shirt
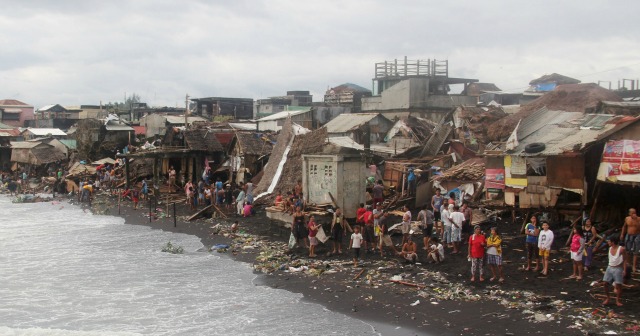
411 181
532 230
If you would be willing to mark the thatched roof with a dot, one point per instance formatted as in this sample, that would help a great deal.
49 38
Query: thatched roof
202 140
253 143
570 98
47 155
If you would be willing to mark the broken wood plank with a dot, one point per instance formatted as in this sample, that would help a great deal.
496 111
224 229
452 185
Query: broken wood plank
333 200
199 213
219 211
410 284
359 274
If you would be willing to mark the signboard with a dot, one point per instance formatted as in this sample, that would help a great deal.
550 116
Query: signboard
494 179
620 161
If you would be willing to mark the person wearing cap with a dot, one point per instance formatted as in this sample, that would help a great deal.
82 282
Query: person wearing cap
477 243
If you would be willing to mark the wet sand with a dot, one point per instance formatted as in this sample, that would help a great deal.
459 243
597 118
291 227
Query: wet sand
387 306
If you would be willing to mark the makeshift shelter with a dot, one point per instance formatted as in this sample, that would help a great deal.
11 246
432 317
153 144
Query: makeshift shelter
35 153
358 125
549 161
249 153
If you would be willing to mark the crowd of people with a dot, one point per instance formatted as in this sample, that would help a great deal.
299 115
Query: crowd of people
446 227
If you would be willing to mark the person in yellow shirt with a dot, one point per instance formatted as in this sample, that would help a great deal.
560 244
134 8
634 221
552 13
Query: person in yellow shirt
494 255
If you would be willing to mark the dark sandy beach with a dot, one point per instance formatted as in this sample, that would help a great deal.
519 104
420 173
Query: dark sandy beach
525 304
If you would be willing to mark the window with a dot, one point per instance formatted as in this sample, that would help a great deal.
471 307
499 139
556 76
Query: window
328 171
313 170
536 167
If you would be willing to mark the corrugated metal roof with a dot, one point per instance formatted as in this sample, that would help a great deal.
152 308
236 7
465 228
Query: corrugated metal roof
243 126
561 131
345 141
180 120
118 128
70 143
285 114
45 131
347 122
25 144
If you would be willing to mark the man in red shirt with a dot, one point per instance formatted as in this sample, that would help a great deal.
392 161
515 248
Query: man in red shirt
360 216
369 236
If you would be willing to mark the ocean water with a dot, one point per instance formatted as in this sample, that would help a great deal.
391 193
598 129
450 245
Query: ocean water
64 271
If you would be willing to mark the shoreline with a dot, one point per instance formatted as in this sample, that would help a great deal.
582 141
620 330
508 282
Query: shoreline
388 307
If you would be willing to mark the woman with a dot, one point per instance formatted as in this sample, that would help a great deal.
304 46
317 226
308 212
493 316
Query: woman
313 241
494 255
240 202
477 242
590 235
338 231
297 227
577 248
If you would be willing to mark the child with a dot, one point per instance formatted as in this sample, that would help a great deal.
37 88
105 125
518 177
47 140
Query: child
494 255
135 196
577 248
477 243
436 252
409 251
313 241
354 243
278 201
234 227
544 246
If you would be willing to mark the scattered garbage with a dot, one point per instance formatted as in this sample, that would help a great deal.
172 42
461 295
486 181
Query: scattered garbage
170 248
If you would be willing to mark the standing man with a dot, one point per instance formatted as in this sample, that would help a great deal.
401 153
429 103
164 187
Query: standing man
172 177
631 227
446 220
378 193
616 269
436 203
406 224
532 230
426 216
468 217
457 218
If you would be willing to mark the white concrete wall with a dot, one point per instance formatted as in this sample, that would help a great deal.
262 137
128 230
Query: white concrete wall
343 177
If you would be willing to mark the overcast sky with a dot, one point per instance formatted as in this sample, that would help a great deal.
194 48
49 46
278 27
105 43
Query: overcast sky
84 52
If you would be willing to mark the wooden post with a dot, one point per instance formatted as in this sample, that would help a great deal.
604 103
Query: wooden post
119 197
175 223
126 172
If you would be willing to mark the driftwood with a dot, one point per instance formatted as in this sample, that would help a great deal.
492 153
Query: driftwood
200 213
410 284
359 274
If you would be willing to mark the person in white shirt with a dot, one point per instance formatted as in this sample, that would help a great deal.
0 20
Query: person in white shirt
545 239
446 220
406 224
457 218
436 251
355 243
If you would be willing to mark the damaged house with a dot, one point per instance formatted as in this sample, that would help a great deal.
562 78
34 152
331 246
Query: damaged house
550 161
101 138
189 151
248 154
34 154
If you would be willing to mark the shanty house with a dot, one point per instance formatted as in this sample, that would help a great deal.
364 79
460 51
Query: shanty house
357 125
550 160
249 153
157 124
302 116
35 153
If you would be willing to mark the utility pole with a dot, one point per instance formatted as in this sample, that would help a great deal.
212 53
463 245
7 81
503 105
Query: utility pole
186 111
